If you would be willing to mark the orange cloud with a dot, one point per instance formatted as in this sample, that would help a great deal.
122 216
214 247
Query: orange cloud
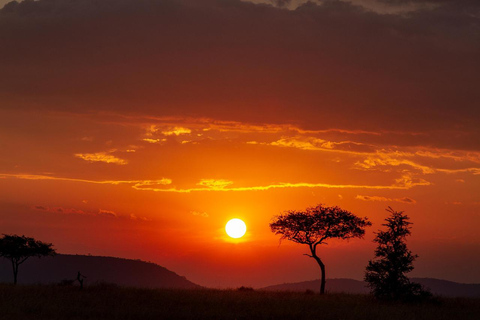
214 184
402 183
317 144
377 198
474 171
200 214
101 157
107 213
176 131
151 140
59 210
163 181
386 159
454 155
100 212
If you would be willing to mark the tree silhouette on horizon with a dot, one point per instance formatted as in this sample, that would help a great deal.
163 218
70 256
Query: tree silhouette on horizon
385 275
317 224
19 248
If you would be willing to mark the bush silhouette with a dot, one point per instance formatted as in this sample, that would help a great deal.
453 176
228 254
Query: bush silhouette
385 275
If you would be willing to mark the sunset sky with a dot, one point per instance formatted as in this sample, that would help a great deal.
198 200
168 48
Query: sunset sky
138 128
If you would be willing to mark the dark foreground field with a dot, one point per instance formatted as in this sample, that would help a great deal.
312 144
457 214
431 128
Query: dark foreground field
110 302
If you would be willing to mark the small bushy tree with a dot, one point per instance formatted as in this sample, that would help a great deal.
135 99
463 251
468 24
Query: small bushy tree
385 275
317 224
19 248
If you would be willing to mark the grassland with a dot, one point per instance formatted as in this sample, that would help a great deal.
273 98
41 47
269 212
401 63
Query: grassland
111 302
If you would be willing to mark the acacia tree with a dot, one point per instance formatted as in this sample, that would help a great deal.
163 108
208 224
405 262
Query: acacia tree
19 248
317 224
385 275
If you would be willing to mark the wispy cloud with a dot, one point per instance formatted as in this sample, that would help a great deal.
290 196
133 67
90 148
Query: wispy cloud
149 140
214 184
200 214
100 212
176 131
386 159
163 181
59 210
318 144
458 156
377 198
474 171
101 157
108 213
402 183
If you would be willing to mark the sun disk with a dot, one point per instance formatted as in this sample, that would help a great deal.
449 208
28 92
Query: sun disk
236 228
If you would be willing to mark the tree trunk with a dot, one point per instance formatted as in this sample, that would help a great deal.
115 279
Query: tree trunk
322 268
15 272
322 285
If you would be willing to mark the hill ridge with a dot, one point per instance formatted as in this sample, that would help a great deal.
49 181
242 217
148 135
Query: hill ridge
120 271
347 285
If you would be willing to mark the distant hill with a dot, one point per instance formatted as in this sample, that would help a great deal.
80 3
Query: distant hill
97 269
436 286
332 285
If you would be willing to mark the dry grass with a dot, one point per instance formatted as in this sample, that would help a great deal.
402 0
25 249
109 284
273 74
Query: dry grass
111 302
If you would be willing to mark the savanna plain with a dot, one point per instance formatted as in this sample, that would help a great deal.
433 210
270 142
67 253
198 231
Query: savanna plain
106 301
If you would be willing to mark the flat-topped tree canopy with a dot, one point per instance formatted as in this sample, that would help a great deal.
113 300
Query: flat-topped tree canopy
317 224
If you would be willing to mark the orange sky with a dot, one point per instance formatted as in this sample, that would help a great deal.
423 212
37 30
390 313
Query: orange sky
139 133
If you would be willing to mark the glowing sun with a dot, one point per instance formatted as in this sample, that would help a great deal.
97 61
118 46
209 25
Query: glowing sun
236 228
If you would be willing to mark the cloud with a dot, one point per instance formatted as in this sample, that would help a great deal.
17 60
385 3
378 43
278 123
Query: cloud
378 198
381 159
135 217
474 171
214 184
407 181
176 131
107 213
455 203
151 140
403 183
200 214
134 183
101 157
62 210
99 212
317 144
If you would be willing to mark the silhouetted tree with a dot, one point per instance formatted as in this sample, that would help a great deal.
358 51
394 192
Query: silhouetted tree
385 275
317 224
19 248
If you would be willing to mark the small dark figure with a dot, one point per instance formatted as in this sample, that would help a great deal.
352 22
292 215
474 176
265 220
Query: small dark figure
80 278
